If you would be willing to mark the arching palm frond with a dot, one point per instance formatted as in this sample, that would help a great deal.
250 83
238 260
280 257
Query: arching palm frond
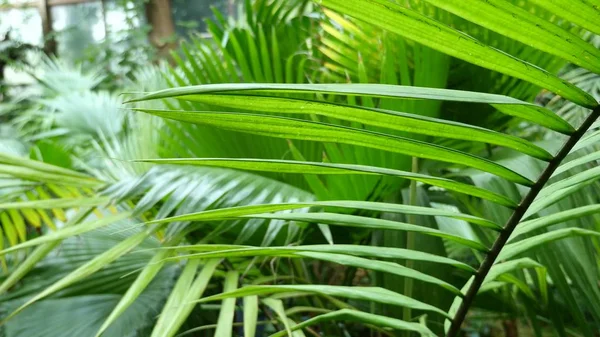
245 240
168 193
540 190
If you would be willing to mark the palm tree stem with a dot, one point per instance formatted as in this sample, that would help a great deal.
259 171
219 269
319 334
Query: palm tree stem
514 220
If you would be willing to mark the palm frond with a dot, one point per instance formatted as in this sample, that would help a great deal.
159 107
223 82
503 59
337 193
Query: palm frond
410 24
539 191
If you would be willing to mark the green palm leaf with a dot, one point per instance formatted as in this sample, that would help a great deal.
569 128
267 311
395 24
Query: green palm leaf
350 136
298 129
349 220
418 27
582 13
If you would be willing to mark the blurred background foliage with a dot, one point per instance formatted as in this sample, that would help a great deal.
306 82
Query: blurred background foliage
61 105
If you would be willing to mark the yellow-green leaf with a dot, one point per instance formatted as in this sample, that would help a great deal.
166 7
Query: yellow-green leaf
422 29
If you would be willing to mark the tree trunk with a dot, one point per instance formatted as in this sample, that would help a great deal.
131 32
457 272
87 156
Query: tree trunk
46 16
510 328
162 30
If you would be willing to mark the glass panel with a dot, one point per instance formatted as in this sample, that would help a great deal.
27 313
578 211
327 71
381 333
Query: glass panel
77 27
18 26
126 47
24 24
123 16
189 15
15 2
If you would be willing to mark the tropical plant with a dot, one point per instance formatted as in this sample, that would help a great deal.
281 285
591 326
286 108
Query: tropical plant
57 134
235 97
65 192
411 210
